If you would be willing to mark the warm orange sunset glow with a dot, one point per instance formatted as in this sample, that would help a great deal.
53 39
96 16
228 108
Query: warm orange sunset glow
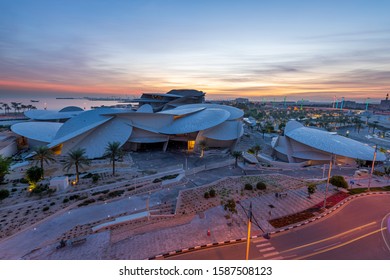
254 50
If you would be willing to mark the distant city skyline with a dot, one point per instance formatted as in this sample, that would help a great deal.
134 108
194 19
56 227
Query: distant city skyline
255 49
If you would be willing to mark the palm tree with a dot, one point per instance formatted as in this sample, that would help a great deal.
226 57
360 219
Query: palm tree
258 125
263 130
360 163
358 124
256 148
15 105
78 159
5 108
237 155
374 126
367 119
113 149
202 145
43 154
5 164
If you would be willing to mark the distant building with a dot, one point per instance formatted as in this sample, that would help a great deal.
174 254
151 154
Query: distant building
301 144
171 99
241 100
384 105
354 105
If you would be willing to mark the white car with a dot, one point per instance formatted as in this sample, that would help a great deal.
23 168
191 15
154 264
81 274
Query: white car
361 173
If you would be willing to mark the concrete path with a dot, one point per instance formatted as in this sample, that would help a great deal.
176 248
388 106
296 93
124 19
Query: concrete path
38 243
32 238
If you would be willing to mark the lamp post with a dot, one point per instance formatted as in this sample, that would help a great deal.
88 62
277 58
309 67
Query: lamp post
372 167
248 239
323 171
251 218
327 182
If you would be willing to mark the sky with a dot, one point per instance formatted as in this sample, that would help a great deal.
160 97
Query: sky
314 50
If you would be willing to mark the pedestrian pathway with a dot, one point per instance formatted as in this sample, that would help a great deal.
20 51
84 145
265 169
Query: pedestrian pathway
193 232
171 236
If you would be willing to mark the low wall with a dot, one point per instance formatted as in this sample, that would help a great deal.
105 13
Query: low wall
209 166
282 164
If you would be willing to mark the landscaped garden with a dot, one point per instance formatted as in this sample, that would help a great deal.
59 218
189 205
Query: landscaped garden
309 213
195 200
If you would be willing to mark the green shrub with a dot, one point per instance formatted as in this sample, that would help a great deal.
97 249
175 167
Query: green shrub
261 186
23 181
101 192
53 203
89 175
73 197
95 178
14 190
45 208
212 193
168 177
248 187
4 194
40 189
338 181
88 201
311 189
206 195
115 193
65 200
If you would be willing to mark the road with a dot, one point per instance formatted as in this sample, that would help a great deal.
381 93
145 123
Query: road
359 231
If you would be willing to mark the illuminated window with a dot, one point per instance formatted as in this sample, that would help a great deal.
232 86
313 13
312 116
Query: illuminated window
191 145
57 149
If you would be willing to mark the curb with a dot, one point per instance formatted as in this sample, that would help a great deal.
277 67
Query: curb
222 243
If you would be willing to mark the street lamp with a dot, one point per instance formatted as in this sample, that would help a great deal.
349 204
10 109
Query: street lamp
327 182
347 134
248 239
251 218
372 167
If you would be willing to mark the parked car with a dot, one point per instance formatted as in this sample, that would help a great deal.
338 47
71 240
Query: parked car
361 173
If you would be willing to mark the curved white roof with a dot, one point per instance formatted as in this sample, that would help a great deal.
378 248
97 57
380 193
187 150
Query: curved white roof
235 113
179 111
71 109
92 130
196 122
40 131
146 108
85 121
95 141
45 115
228 130
330 142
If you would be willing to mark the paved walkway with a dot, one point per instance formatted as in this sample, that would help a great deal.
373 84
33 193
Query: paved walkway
38 243
172 238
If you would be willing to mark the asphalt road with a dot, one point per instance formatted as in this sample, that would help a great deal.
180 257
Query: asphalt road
359 231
